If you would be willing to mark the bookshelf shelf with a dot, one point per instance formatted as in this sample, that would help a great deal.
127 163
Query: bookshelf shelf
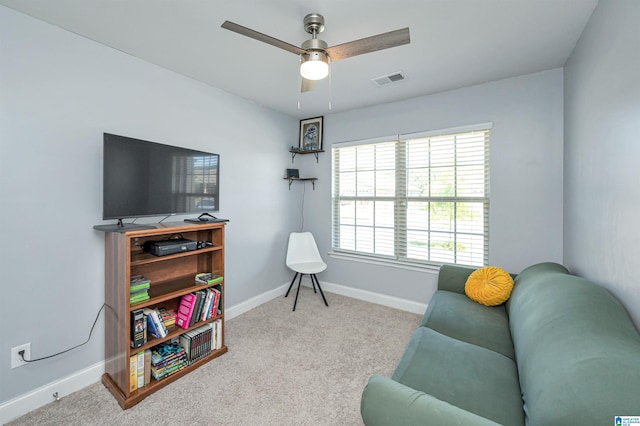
143 258
174 331
171 277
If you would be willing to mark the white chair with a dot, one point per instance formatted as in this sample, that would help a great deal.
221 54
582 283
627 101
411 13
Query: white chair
304 259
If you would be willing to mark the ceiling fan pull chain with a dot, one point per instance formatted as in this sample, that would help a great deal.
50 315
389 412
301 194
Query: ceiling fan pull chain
330 85
299 88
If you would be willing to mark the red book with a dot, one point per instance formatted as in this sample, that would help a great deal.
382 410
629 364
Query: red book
216 302
185 310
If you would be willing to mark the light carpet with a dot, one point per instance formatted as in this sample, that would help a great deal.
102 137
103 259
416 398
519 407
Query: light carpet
306 367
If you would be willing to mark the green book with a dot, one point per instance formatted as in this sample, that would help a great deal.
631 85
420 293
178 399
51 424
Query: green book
139 297
208 278
138 287
137 279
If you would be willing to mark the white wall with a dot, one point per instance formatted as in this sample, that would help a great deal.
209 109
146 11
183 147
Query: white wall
602 149
58 94
526 174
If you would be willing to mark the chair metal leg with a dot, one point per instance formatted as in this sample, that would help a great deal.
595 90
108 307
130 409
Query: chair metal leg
297 292
291 285
313 276
314 282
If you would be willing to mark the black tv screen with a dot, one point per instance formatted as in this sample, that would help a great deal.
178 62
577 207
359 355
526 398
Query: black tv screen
144 178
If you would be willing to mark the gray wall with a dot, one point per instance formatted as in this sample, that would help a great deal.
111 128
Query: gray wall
602 149
526 174
58 94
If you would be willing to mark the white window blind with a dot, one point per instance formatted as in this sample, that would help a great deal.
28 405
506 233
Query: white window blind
419 198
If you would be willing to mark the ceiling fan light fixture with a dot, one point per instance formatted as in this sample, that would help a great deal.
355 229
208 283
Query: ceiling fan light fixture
314 66
315 54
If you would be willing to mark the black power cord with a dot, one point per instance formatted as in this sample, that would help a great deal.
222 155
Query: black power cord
21 353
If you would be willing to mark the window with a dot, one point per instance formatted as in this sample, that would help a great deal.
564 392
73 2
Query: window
195 182
418 198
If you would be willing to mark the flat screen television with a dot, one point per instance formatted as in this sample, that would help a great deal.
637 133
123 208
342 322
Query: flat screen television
142 178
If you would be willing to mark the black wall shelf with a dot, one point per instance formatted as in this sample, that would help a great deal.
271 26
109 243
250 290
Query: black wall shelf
302 152
291 180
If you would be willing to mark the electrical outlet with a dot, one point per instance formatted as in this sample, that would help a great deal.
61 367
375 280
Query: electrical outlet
16 360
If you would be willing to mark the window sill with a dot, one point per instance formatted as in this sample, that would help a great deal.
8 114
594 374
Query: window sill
412 266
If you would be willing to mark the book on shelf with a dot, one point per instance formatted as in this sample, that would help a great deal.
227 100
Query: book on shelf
168 316
198 306
166 359
140 369
211 305
165 352
161 325
151 328
200 297
138 296
147 366
215 309
216 338
138 283
139 279
206 309
138 328
208 278
138 289
133 372
197 343
161 373
155 325
185 310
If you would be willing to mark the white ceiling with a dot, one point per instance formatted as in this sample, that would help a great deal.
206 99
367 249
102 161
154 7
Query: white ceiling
454 43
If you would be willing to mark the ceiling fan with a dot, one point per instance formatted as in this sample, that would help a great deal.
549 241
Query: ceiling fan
314 53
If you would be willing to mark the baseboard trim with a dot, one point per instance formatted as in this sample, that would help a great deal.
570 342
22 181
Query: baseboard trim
77 381
377 298
44 395
254 302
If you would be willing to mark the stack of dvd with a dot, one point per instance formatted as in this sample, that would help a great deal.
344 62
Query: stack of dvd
166 359
138 290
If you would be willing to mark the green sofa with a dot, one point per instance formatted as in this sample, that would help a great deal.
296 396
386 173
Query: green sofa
561 351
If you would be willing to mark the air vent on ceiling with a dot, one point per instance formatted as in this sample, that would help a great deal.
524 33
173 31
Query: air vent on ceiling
385 80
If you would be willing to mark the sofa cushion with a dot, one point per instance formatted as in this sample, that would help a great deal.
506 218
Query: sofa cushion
386 402
457 316
473 378
578 352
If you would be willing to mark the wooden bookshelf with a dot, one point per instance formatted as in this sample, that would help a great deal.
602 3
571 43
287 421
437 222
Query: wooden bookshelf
171 276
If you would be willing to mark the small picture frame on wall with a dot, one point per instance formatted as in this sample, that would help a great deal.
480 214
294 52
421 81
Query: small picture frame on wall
311 134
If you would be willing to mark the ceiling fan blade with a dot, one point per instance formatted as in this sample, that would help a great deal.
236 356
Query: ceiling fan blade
369 44
228 25
307 85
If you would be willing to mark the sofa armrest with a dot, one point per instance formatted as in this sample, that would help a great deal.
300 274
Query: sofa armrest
454 277
386 402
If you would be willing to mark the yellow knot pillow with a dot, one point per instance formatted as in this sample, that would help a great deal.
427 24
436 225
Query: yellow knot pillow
489 286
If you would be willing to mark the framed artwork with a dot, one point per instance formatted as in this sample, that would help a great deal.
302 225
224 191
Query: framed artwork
311 134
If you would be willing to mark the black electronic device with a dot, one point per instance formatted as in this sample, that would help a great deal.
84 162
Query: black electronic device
142 178
171 246
206 218
204 244
293 173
